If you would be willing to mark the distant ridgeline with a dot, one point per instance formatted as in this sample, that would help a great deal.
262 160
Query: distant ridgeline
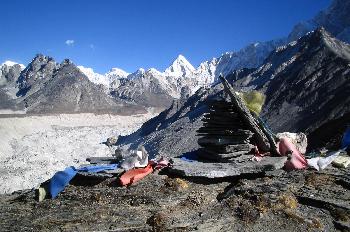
304 77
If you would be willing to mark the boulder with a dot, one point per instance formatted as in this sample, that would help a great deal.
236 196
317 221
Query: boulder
298 139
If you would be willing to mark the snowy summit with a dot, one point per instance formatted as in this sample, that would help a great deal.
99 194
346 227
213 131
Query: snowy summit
180 67
10 63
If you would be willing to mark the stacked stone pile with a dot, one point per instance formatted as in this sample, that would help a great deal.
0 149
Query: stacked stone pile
224 136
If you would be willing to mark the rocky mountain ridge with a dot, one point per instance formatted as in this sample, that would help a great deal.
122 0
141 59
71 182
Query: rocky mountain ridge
306 85
46 86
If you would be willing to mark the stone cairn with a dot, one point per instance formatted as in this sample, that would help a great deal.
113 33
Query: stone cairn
224 137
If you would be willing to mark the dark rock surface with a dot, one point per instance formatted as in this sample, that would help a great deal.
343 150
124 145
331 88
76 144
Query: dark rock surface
174 131
36 74
313 90
307 87
274 201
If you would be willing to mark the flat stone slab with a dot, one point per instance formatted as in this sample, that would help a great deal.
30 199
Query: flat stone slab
217 170
204 142
95 174
103 160
223 157
231 148
220 132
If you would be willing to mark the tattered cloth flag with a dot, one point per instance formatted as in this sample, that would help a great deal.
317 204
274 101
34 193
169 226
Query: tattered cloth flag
346 139
62 178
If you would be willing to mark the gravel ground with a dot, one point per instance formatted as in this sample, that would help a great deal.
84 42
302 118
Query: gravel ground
279 201
33 148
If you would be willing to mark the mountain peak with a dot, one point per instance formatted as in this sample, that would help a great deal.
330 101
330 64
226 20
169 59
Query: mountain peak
41 58
137 74
181 57
154 71
66 62
339 47
180 67
140 71
117 73
117 70
10 63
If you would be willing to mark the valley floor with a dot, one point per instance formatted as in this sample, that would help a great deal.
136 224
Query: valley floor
33 148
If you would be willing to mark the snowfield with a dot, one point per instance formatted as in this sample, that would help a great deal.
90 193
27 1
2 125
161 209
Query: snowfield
33 148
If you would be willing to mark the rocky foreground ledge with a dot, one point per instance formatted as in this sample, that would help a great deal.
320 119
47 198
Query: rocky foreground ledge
272 201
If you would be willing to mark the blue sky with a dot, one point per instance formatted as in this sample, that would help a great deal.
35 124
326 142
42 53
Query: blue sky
150 33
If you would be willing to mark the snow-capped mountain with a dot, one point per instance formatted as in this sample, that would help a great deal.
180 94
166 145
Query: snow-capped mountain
178 75
107 79
96 78
180 68
10 71
137 74
249 57
10 63
116 73
179 79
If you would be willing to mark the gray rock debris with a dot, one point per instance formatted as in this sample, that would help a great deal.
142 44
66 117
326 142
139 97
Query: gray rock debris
111 141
